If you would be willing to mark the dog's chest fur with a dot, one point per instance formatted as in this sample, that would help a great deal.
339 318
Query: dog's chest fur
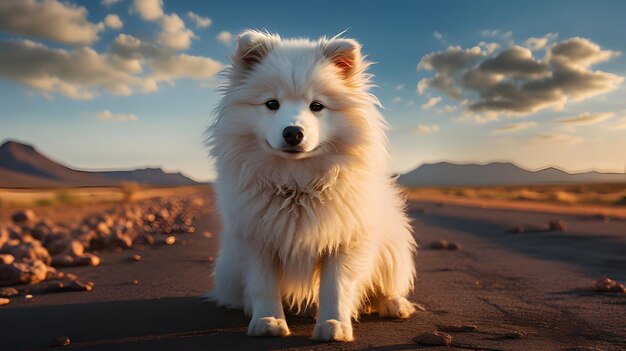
302 221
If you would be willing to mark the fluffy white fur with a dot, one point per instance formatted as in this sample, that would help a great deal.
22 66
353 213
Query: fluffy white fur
321 230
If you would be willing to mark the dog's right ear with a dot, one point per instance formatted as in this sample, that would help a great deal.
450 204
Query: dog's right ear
252 47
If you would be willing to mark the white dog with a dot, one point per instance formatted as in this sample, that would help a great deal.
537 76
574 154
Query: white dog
312 217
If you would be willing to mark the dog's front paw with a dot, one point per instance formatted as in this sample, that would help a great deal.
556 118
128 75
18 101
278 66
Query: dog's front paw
395 307
332 330
268 326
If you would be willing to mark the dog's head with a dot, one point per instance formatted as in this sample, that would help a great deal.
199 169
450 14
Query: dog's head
296 99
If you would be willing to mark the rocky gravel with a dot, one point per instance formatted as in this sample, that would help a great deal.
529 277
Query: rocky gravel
33 249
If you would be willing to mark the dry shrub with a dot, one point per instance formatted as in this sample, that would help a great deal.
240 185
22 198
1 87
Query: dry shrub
564 196
526 194
130 190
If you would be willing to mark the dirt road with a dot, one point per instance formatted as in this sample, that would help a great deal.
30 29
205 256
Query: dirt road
521 291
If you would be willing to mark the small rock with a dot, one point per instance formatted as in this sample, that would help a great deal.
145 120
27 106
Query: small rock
61 341
441 244
53 274
23 216
31 250
6 258
558 226
8 292
53 286
434 338
146 239
135 282
62 261
25 272
4 301
70 276
121 240
28 296
103 229
607 285
77 285
88 259
68 247
208 235
164 239
135 258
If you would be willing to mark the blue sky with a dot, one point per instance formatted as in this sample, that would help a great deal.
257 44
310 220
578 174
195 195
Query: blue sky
80 115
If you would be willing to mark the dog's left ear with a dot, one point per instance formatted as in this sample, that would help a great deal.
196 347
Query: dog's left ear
252 47
345 54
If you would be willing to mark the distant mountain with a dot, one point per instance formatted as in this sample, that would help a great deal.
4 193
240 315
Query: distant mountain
152 176
498 173
21 165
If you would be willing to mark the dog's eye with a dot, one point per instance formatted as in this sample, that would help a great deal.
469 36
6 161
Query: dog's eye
272 105
316 106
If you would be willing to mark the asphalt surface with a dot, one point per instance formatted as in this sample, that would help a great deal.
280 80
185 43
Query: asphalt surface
526 291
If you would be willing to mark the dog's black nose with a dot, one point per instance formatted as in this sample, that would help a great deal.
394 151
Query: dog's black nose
293 135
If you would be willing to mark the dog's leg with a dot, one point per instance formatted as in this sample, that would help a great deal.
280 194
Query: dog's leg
263 294
397 277
336 301
228 289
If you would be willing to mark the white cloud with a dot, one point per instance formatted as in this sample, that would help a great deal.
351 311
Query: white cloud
108 3
585 119
539 43
225 38
431 103
148 10
449 108
127 66
446 65
556 138
489 47
426 129
113 21
108 116
514 127
396 100
399 87
513 82
175 35
439 37
185 66
74 73
51 19
83 73
201 22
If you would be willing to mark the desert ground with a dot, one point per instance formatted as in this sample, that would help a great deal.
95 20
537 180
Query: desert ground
509 284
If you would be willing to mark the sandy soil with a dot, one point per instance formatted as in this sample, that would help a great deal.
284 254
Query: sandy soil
535 284
520 205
